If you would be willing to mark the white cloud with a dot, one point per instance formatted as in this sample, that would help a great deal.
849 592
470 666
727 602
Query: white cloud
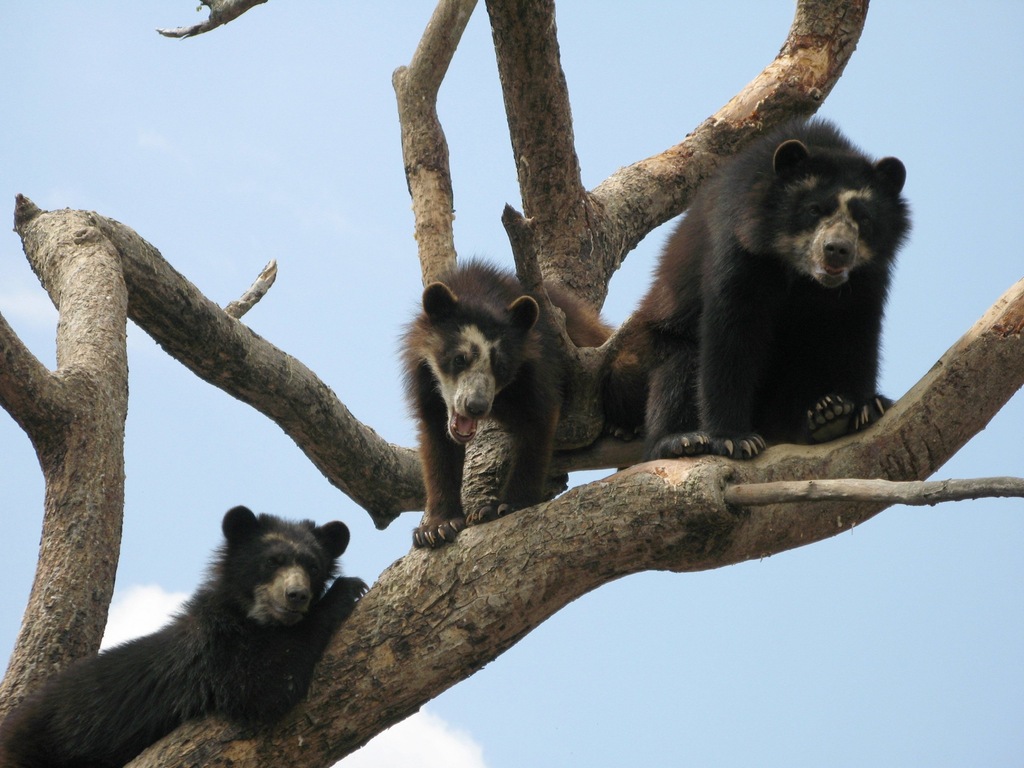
423 740
139 611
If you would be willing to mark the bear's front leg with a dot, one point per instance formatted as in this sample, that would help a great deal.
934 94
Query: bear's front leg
443 461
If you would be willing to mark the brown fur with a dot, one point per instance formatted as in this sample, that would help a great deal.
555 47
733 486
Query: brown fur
478 322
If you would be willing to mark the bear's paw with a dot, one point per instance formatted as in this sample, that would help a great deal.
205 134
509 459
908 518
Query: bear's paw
829 418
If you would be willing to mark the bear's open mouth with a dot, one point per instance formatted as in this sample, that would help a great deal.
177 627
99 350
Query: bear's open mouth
462 428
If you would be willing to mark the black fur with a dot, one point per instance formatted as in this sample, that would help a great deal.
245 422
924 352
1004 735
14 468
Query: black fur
528 368
213 658
748 333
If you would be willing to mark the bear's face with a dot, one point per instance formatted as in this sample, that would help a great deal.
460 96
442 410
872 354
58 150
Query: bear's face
835 212
473 355
276 570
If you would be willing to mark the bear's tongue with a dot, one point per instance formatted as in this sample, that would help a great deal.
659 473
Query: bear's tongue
462 428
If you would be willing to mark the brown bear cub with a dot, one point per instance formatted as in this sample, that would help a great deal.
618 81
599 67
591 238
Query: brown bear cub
244 647
764 317
483 349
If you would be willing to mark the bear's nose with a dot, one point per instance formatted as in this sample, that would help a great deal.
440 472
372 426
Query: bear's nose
297 597
839 253
477 407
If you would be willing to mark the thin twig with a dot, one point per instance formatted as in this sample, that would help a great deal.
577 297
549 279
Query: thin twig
256 291
915 493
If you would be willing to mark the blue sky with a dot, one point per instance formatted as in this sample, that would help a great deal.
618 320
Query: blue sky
276 137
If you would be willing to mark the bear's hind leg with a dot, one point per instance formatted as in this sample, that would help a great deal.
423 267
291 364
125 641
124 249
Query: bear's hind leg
833 416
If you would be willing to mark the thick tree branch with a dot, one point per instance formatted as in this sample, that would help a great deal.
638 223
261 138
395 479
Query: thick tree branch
84 403
221 12
424 148
437 616
913 493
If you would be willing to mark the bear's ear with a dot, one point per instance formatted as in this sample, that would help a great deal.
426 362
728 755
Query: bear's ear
524 312
438 301
239 524
334 537
788 155
892 173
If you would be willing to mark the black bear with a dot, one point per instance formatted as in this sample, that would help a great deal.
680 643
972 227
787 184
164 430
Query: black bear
764 317
482 348
244 647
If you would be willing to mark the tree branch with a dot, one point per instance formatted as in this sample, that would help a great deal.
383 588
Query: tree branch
435 617
29 392
221 12
424 147
84 403
914 493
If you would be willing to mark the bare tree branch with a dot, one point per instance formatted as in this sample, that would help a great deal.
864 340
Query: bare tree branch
435 617
914 493
221 12
227 354
256 291
424 147
84 403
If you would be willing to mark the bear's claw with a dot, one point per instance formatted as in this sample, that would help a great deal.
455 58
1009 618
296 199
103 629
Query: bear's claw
703 444
432 536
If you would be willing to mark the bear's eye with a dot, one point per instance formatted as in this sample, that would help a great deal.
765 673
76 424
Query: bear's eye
814 211
460 362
